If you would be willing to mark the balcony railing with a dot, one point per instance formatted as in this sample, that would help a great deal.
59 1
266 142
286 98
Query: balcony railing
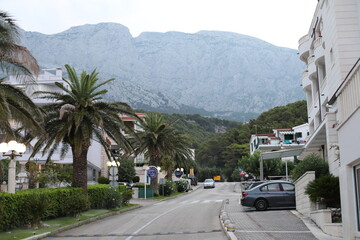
349 95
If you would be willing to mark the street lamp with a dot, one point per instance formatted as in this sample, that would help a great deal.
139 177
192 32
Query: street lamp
113 170
16 150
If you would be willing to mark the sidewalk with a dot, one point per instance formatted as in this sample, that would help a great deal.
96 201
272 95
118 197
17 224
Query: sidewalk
246 223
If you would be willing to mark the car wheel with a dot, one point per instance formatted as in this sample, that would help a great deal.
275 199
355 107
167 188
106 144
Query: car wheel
261 205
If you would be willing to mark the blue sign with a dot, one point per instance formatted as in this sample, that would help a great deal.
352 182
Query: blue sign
178 173
152 172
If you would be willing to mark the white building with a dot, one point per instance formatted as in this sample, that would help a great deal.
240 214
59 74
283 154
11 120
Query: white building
331 81
280 139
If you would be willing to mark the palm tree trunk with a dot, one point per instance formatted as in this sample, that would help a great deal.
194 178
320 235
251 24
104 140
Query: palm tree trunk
154 185
80 167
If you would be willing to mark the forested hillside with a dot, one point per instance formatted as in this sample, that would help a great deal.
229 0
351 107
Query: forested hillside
225 150
199 129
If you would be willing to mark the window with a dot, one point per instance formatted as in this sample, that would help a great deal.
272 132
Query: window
273 187
288 187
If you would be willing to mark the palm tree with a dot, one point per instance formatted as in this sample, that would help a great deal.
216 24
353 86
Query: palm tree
15 106
159 141
77 116
14 58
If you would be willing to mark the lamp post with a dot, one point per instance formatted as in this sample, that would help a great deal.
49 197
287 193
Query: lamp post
113 170
16 150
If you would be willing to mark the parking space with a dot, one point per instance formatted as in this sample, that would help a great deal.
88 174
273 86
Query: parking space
271 224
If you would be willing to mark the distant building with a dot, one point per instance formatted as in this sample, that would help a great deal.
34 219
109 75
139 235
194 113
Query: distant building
331 81
280 139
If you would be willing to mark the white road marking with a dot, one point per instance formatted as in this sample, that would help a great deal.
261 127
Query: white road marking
150 222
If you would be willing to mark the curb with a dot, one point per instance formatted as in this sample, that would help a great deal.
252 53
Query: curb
227 226
74 225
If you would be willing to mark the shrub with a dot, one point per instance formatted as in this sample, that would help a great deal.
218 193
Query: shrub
33 205
136 179
325 189
104 196
103 180
181 186
126 196
312 162
168 188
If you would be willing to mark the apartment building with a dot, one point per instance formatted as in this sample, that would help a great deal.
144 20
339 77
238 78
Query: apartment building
280 139
331 81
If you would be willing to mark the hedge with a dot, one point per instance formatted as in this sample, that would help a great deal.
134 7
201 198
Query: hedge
33 205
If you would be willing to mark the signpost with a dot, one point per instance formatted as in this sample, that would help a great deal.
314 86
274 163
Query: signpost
151 172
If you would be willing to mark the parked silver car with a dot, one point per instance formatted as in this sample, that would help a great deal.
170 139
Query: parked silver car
209 183
272 194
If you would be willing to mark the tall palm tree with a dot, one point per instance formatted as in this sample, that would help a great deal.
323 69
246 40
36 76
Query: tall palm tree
14 58
158 141
77 116
15 106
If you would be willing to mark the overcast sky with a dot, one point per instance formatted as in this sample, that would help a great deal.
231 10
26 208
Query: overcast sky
280 22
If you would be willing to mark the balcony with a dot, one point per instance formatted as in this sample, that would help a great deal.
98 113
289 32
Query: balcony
312 67
306 83
304 46
319 50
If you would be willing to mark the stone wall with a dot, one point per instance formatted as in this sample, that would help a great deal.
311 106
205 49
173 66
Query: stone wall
303 203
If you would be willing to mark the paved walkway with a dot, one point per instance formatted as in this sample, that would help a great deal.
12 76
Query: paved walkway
271 224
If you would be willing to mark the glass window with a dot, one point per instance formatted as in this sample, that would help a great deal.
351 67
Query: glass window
288 187
273 187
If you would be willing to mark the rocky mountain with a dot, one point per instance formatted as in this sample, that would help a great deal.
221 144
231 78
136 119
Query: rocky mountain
219 74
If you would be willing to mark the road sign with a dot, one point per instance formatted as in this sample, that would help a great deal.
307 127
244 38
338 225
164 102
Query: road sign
217 178
178 173
113 171
152 172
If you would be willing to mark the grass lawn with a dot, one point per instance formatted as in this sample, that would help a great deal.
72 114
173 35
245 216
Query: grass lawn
53 224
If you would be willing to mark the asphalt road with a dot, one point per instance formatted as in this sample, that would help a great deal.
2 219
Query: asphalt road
190 216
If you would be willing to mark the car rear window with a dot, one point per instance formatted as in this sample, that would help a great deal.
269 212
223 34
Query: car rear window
288 187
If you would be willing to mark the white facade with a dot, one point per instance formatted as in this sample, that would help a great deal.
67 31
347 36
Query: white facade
331 81
280 139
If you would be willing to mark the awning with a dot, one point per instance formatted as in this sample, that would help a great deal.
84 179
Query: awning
287 132
281 153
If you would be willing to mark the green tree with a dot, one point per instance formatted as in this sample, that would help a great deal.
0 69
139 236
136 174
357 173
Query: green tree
15 105
312 162
251 164
78 115
158 140
14 58
126 171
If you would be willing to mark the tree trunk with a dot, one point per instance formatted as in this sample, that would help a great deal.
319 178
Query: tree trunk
154 185
80 167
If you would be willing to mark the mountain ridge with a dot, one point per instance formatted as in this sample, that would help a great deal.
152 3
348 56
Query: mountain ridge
214 73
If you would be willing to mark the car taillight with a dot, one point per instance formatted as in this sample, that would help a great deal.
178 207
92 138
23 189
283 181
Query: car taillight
244 194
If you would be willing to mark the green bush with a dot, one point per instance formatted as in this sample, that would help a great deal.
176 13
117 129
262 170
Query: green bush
181 186
136 179
33 205
103 180
104 196
168 188
312 162
126 194
325 189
